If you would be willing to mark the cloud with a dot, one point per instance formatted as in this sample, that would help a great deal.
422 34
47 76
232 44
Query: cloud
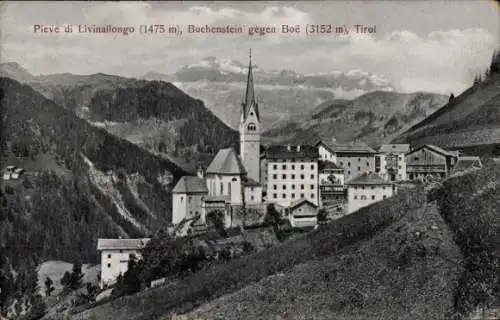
444 59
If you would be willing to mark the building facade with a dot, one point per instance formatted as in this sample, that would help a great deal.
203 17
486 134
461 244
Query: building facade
187 198
429 162
366 189
115 255
390 162
302 214
331 186
355 157
292 174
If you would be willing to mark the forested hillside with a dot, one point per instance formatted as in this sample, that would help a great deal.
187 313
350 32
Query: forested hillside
81 183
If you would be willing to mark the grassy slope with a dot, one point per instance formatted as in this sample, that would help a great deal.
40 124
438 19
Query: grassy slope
386 261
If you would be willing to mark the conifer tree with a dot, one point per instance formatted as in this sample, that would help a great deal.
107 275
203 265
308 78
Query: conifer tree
49 288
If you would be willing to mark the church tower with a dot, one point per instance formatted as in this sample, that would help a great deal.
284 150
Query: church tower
250 129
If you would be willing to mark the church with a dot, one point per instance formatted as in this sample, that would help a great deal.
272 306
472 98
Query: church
231 180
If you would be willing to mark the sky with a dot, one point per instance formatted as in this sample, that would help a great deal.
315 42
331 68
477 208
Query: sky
436 46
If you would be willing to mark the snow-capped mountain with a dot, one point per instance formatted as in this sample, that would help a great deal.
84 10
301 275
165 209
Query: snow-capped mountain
281 93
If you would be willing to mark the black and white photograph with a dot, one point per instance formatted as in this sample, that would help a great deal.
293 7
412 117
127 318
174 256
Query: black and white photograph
250 160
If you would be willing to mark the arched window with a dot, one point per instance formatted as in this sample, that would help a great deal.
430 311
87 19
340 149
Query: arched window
252 127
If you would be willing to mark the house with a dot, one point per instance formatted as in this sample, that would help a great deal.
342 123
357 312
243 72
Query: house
187 198
292 174
390 162
366 189
302 213
466 163
115 255
331 185
354 157
429 162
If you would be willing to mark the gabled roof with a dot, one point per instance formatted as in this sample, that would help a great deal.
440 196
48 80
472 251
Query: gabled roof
216 199
300 202
435 149
328 165
226 162
190 184
117 244
396 148
369 178
351 147
292 152
249 182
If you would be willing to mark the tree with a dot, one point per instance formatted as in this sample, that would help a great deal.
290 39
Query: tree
66 281
322 215
452 96
76 276
130 282
49 288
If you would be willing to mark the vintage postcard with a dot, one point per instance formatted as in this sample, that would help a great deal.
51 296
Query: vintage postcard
250 160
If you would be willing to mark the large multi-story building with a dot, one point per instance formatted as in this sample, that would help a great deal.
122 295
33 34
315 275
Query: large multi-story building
292 174
390 162
354 157
187 198
366 189
115 255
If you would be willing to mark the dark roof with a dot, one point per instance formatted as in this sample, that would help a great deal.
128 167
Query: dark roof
249 98
368 178
190 184
397 148
435 149
216 199
249 182
299 202
328 165
292 152
226 162
351 147
112 244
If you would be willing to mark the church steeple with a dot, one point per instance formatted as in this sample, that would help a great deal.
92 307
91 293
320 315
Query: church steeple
249 98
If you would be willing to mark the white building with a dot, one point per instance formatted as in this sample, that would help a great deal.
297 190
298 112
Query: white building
292 174
366 189
115 254
331 186
390 162
302 213
354 157
187 198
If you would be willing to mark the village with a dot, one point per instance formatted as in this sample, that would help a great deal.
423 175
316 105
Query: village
297 181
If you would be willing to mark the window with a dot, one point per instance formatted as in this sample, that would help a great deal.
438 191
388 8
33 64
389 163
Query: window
275 176
251 189
312 195
275 167
302 176
362 187
275 195
293 195
275 187
283 176
348 164
341 163
221 188
373 197
349 172
312 186
189 199
367 163
415 158
293 176
293 167
234 179
284 187
302 195
301 187
109 265
363 197
384 197
284 195
252 127
301 167
121 251
383 188
359 168
252 197
355 197
283 167
312 166
359 159
109 256
182 199
312 176
355 187
373 187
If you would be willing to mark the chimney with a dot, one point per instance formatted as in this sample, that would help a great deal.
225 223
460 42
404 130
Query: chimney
201 173
334 140
289 147
120 237
298 148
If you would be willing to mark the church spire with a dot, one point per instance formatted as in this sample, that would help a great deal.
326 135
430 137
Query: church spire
249 99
